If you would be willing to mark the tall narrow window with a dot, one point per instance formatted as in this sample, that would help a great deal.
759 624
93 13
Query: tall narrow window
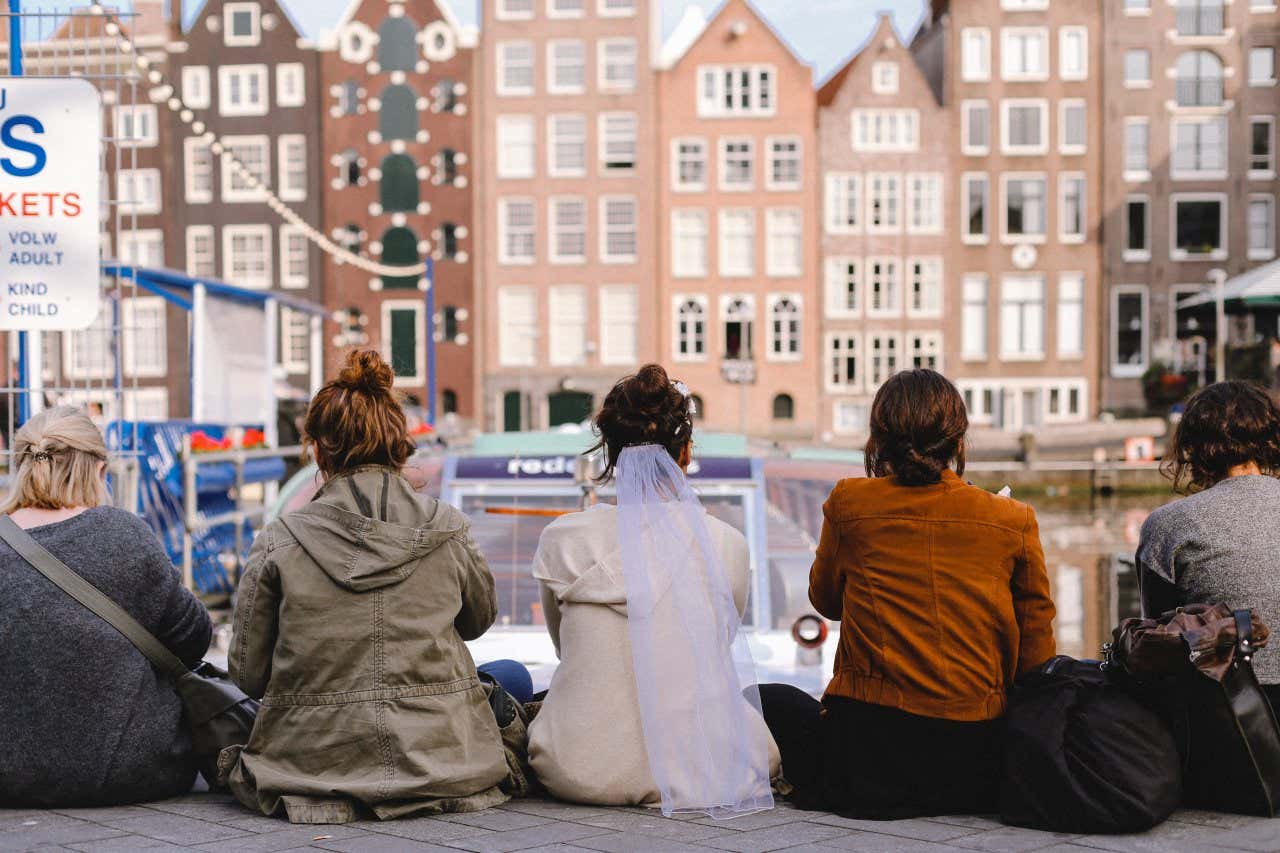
619 321
924 350
1137 164
616 64
567 74
1071 213
975 130
784 163
737 164
1262 151
1137 228
1024 207
397 44
515 68
883 355
292 163
973 320
924 198
689 170
737 242
1128 330
884 203
398 186
517 242
619 242
516 157
844 354
517 326
1022 317
567 147
568 230
617 142
400 249
883 287
1070 315
689 243
844 287
739 313
975 54
784 248
843 203
977 197
1262 227
784 327
398 113
924 294
691 329
567 327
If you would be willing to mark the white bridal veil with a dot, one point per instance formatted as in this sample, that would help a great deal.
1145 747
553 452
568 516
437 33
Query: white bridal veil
690 654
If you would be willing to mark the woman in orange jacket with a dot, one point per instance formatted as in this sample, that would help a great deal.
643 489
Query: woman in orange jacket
942 597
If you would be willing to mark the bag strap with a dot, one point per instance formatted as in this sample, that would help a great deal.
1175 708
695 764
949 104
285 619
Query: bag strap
70 582
1244 633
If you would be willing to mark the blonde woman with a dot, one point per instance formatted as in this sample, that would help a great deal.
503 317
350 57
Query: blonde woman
84 718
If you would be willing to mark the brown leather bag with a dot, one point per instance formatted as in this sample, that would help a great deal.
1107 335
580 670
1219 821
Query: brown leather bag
1196 665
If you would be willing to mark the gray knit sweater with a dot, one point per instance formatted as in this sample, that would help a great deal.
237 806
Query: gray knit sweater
1220 545
84 718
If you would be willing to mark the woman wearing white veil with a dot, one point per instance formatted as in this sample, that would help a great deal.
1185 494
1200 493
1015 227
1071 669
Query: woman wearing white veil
654 701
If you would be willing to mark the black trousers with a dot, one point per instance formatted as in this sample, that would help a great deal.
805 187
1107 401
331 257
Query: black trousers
871 762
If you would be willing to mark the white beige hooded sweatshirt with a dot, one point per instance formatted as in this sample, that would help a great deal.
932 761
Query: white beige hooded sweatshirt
587 744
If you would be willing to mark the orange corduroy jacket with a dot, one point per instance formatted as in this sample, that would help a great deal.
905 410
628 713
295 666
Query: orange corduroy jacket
940 591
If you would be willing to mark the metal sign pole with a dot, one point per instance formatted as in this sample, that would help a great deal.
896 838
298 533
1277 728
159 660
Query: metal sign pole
431 341
15 70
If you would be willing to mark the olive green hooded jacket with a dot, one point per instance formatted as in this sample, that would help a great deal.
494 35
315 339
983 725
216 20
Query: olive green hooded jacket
350 625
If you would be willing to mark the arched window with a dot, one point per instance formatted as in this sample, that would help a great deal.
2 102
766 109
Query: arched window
398 44
398 115
784 408
448 402
449 324
349 98
446 95
449 165
349 168
400 249
1199 79
699 411
691 330
739 317
398 188
449 241
351 237
784 328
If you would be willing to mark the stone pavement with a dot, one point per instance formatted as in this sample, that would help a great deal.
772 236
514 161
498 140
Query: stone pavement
216 823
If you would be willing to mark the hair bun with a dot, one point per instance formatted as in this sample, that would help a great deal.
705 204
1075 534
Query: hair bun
366 371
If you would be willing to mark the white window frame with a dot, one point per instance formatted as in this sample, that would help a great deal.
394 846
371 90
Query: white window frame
1136 175
554 230
774 219
1007 34
229 233
894 302
565 331
133 202
924 345
1071 291
246 194
772 157
1199 175
1260 253
971 282
1136 255
516 349
933 214
836 279
293 366
564 14
191 192
100 363
1005 236
284 142
502 13
772 338
605 229
147 111
1261 81
504 126
1270 173
500 61
298 72
1063 235
419 314
968 36
196 87
884 78
602 65
845 188
679 336
1135 82
604 138
129 322
193 234
676 161
711 105
681 219
1065 147
723 149
554 87
609 327
246 108
966 125
1221 254
905 122
503 231
933 266
554 168
1129 371
604 10
836 349
731 265
898 198
1006 146
1023 354
1064 33
892 344
288 279
228 14
968 238
142 247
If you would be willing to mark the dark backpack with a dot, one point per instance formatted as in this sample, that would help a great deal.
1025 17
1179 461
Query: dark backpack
1082 755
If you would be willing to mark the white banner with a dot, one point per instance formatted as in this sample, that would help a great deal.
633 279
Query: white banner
50 134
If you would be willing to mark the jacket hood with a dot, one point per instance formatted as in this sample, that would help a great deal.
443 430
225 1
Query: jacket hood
368 529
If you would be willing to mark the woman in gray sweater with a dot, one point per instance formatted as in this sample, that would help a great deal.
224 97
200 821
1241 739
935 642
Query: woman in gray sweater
1222 542
84 718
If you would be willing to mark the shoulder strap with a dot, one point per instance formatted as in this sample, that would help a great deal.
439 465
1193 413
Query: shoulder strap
87 594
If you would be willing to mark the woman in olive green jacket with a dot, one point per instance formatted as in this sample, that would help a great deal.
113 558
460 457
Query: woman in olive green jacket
350 625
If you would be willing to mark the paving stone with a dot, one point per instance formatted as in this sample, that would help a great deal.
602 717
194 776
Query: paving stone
973 820
874 842
522 839
126 844
427 829
375 843
775 837
288 838
1218 819
1168 836
760 820
916 828
258 823
553 810
1261 836
209 807
654 824
100 815
1011 839
497 820
50 830
631 843
176 828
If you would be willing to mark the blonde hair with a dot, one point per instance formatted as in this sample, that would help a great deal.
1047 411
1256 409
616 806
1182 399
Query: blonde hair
58 454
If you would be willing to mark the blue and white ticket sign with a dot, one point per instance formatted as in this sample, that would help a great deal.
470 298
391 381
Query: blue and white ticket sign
50 174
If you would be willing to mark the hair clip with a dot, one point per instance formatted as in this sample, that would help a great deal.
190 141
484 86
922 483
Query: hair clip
687 394
41 455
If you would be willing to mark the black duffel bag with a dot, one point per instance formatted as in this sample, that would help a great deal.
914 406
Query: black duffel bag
1083 755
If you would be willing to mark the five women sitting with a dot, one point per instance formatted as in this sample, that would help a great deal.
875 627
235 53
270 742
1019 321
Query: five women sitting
352 617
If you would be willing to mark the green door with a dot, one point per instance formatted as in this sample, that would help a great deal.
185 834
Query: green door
568 407
511 412
404 341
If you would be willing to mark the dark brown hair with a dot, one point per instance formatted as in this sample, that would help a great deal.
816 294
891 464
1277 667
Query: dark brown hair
918 427
646 408
1225 425
356 419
